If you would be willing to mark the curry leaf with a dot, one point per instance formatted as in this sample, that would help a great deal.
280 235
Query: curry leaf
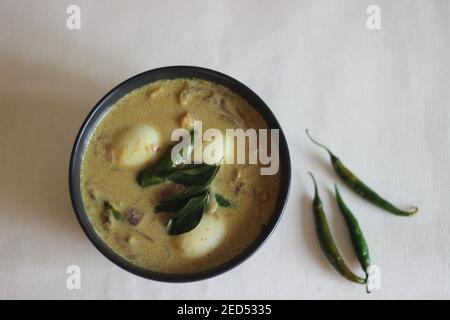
113 211
189 216
194 175
223 202
179 200
199 175
154 174
157 172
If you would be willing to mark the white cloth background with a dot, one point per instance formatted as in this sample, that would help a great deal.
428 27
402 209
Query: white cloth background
380 99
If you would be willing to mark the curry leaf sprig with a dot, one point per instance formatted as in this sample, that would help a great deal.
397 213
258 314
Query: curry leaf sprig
190 204
189 216
179 200
165 167
159 171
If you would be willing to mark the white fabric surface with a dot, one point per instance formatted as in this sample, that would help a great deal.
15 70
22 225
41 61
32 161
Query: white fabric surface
380 99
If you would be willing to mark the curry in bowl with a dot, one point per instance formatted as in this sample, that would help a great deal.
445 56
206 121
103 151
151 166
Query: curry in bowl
167 223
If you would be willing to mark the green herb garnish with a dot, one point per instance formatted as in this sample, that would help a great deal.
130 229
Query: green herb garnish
113 211
189 216
223 202
160 171
190 204
179 200
196 174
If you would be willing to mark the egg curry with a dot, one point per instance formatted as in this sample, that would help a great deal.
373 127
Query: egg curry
165 216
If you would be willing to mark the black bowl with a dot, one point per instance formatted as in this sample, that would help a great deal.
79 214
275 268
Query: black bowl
102 107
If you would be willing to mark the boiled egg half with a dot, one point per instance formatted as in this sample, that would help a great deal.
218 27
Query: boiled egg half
136 146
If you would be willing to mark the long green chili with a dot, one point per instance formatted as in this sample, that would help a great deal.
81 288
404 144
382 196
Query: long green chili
359 187
326 239
358 241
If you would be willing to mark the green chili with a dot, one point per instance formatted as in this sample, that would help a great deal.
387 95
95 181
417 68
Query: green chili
356 235
359 187
326 239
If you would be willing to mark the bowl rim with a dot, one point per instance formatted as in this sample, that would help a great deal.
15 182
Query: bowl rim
102 107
